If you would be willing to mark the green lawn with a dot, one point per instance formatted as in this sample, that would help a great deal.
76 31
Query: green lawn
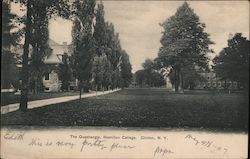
143 108
9 98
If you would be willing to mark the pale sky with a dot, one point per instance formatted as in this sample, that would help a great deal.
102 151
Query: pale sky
137 22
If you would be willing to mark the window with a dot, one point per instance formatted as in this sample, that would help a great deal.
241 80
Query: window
47 76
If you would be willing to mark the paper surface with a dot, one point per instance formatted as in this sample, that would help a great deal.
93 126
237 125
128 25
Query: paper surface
120 143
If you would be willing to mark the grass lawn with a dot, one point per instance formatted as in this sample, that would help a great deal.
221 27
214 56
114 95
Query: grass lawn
143 108
10 98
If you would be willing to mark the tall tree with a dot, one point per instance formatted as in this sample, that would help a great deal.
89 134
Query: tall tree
39 43
126 69
65 72
184 42
108 43
53 7
151 76
97 71
83 41
140 77
233 61
148 71
107 74
9 38
25 71
114 53
101 72
100 30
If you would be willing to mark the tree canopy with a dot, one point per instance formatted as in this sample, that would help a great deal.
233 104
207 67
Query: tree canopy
232 63
184 42
9 38
83 40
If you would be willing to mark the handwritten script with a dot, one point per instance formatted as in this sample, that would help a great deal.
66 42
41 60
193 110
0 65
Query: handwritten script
207 144
159 146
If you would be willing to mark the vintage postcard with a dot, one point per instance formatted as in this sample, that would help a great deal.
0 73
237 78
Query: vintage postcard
124 79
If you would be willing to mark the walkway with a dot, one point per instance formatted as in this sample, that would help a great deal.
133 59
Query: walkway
45 102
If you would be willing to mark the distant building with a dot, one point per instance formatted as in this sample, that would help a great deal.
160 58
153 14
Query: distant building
213 82
51 80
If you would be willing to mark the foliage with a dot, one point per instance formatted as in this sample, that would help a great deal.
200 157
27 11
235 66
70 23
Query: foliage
233 61
9 73
191 77
101 71
184 42
100 31
34 17
140 77
97 71
149 75
83 40
126 68
111 57
39 43
9 22
65 72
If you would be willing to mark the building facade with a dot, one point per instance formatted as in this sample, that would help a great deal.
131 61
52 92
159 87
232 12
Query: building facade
213 82
51 79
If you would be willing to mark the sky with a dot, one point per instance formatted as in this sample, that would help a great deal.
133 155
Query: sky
137 23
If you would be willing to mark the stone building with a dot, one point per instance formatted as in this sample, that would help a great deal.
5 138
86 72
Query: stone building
51 80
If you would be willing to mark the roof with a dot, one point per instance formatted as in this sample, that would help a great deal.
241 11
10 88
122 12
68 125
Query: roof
52 42
53 59
57 51
55 56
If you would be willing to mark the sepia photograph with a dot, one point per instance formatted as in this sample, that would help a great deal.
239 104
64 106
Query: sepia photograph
124 79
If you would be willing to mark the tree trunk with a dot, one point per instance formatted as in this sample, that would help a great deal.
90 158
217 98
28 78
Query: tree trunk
36 86
96 91
177 79
181 81
80 89
25 56
80 95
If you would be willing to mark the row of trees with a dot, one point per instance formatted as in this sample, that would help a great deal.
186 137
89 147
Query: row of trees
92 40
97 56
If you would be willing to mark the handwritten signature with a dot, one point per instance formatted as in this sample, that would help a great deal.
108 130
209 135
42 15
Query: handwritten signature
162 151
10 135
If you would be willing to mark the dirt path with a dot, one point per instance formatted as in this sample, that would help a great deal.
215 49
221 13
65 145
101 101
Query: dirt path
45 102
